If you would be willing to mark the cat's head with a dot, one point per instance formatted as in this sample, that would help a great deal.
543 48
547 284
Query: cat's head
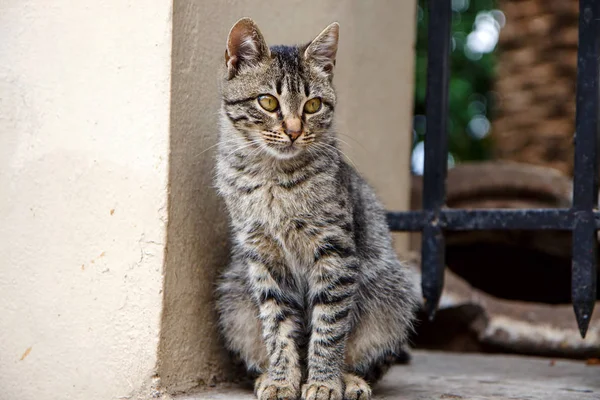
279 99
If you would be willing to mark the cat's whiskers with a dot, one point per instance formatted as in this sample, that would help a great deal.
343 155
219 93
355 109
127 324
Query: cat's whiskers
351 138
271 134
346 143
260 143
242 147
259 148
323 152
341 152
281 140
312 151
215 145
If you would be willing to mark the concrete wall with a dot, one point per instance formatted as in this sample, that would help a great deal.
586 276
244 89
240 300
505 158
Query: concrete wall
84 109
374 79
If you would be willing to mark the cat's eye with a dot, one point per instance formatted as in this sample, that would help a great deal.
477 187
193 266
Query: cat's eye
268 102
312 105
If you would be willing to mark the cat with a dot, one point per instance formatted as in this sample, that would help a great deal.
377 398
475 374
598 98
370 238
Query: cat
314 300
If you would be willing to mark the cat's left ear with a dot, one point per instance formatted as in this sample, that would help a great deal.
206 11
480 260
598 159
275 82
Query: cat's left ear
322 50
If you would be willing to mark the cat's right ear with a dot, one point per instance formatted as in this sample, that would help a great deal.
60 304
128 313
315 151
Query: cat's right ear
246 46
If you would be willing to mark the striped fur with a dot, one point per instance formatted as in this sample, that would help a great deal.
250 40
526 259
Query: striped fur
314 300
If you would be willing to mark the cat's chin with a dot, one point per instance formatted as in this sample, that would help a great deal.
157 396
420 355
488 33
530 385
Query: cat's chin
284 153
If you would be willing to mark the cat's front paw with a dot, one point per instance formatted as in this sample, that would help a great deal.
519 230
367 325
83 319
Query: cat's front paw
356 388
267 389
323 390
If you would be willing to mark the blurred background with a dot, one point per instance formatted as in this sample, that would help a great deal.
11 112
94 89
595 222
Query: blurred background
512 88
511 124
476 26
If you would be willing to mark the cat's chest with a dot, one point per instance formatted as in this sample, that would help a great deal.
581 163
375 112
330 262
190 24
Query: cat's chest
272 199
290 209
292 217
272 205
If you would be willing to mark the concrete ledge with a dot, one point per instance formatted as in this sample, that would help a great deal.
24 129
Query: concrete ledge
470 377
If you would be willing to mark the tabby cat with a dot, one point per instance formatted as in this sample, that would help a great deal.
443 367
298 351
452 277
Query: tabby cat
314 300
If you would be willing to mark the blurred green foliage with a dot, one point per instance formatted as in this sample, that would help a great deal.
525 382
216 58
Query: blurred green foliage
470 94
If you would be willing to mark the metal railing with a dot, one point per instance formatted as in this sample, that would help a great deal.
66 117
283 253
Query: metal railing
582 218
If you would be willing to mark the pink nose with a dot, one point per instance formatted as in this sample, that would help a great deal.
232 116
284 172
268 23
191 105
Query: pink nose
293 128
293 134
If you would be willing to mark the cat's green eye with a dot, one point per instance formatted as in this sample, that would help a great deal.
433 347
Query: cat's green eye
312 105
268 102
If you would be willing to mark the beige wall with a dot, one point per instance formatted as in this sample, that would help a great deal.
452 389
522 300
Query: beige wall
84 108
84 154
374 80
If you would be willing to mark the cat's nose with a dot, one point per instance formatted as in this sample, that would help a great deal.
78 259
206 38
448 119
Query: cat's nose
293 134
293 128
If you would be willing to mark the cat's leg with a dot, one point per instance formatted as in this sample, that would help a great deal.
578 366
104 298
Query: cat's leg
239 319
280 330
332 290
279 314
260 327
386 305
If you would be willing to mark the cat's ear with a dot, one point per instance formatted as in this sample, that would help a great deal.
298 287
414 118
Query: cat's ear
322 50
246 46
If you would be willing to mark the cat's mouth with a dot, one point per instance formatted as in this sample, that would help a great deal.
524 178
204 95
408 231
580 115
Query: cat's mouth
279 146
285 151
289 149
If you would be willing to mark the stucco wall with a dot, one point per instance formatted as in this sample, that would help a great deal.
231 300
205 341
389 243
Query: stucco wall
374 79
84 110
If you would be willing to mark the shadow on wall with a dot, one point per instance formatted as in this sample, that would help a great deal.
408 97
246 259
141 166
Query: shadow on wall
189 351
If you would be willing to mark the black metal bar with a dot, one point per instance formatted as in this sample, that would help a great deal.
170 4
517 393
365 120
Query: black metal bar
585 183
436 152
487 219
406 221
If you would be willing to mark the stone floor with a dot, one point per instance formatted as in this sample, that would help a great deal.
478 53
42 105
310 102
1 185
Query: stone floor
470 377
